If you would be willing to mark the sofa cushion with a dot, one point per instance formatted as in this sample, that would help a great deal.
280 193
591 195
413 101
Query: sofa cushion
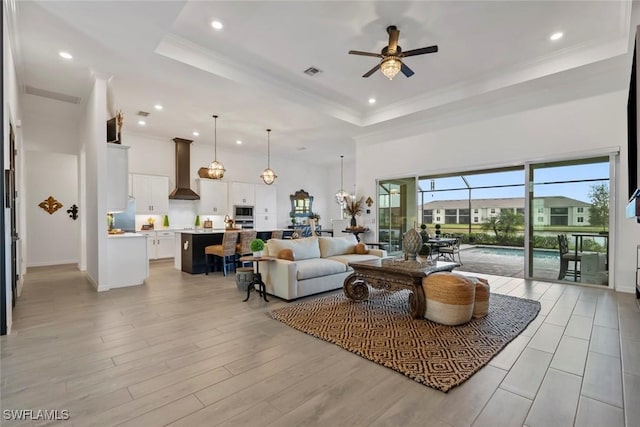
317 267
306 248
361 249
346 259
330 246
286 254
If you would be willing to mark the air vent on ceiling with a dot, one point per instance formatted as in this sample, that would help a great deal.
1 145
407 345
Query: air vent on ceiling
143 113
312 71
52 95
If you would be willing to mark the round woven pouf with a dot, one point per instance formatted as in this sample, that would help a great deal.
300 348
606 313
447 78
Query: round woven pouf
450 298
481 306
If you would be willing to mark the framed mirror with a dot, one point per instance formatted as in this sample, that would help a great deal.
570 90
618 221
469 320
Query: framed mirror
301 204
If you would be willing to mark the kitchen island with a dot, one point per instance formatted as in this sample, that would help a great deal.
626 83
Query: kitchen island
190 244
128 264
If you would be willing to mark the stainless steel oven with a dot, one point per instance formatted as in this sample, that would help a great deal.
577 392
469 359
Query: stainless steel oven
243 216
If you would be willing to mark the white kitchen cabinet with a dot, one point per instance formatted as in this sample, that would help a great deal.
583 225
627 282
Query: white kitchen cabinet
265 200
160 244
213 197
117 177
151 193
165 247
242 194
265 222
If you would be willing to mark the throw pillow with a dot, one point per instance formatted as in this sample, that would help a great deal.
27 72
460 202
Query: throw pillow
361 249
286 254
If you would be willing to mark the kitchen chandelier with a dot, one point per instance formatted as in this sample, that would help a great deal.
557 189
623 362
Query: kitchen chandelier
216 169
341 194
268 176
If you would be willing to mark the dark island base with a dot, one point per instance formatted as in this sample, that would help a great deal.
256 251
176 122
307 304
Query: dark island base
193 244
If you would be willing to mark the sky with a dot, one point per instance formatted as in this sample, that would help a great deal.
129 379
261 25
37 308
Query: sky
541 178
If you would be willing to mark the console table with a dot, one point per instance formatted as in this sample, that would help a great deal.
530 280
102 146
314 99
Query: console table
393 275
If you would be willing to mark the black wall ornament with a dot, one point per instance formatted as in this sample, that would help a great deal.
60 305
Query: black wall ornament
73 212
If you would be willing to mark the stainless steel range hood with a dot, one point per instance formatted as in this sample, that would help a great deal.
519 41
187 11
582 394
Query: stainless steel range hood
183 165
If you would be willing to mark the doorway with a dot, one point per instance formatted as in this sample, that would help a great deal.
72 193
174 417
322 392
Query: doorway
397 201
568 230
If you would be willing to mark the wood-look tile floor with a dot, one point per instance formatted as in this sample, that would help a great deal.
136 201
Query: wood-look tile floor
185 350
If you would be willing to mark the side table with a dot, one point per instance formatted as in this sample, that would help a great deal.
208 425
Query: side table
257 277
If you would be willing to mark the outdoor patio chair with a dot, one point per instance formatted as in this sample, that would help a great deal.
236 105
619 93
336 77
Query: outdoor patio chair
565 257
449 252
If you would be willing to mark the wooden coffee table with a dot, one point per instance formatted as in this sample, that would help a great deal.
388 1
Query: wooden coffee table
393 275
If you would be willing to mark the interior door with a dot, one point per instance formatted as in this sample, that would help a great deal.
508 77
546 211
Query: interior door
13 218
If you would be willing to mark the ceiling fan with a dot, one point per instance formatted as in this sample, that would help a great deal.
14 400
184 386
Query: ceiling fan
392 55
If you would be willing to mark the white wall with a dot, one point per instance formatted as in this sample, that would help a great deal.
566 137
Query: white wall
562 130
52 238
149 155
94 135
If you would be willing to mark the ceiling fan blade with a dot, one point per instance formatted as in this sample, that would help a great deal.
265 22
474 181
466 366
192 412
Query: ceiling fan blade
394 34
421 51
358 52
371 71
406 70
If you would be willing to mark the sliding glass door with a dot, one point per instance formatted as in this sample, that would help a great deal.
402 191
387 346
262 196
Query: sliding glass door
397 210
568 221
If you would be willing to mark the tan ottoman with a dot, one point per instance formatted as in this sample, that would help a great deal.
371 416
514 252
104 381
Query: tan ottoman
481 306
450 298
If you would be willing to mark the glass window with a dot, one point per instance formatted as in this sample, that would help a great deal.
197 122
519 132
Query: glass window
580 210
580 219
475 219
427 216
450 216
540 219
540 210
493 210
475 211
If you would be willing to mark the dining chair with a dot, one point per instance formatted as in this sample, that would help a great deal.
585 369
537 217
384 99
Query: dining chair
449 252
565 257
226 251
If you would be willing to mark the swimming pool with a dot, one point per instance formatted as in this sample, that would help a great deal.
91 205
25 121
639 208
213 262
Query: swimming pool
546 254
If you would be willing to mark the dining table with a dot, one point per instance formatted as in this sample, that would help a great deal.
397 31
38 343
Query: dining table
439 242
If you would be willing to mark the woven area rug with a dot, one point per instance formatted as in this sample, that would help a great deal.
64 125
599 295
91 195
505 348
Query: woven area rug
381 330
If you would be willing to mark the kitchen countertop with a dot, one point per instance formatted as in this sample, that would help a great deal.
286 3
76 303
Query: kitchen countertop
125 235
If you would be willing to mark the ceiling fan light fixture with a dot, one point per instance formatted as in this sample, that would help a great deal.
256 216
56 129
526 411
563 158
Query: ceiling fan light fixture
268 176
216 169
390 66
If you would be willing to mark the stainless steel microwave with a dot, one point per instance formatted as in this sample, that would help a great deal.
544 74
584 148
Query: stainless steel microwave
242 212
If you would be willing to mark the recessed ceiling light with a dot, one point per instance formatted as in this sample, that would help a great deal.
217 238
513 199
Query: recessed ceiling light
238 142
372 100
158 107
556 36
217 25
196 133
142 122
65 55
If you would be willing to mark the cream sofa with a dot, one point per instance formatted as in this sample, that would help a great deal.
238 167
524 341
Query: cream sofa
320 264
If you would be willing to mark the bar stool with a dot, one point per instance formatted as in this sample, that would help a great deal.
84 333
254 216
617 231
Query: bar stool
226 250
243 247
277 234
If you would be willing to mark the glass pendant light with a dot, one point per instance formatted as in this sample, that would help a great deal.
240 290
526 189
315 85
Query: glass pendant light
268 176
216 169
341 194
